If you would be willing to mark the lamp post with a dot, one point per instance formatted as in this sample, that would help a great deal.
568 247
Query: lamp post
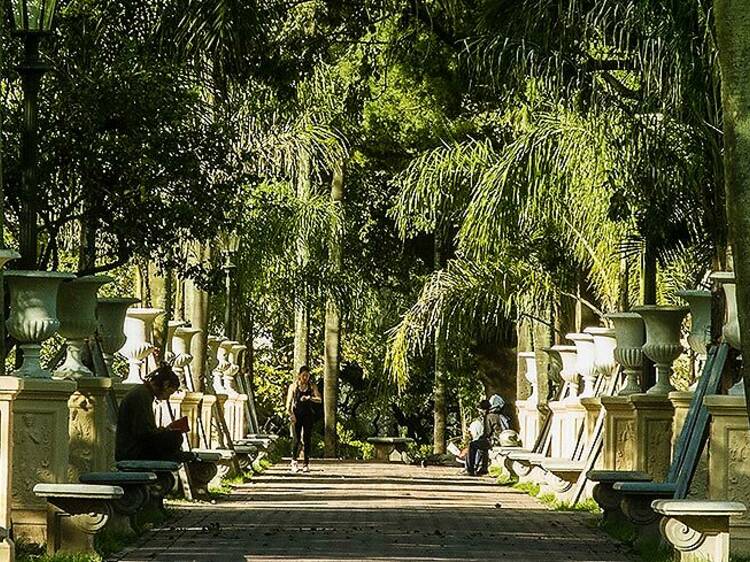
231 243
32 20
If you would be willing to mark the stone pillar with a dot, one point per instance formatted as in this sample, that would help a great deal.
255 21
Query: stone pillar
619 433
92 428
9 389
729 461
240 421
593 407
653 441
190 408
40 452
167 410
567 422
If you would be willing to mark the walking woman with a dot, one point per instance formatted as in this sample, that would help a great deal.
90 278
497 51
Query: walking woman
299 405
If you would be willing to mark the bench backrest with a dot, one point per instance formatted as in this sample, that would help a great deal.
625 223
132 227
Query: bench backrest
697 416
693 438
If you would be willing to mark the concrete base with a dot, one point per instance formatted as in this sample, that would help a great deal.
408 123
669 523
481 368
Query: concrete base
619 433
207 415
653 424
40 452
529 420
190 408
729 462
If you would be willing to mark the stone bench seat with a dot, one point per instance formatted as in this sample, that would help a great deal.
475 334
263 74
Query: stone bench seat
166 482
697 529
136 487
75 513
604 492
657 489
618 476
391 448
213 455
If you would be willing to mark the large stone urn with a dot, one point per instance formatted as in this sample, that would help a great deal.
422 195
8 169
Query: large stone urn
33 315
531 375
76 310
630 333
181 345
111 316
604 350
584 344
731 328
230 370
172 326
568 372
554 365
662 341
700 320
219 364
138 343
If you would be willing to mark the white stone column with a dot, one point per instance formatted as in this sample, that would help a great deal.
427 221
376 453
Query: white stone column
9 389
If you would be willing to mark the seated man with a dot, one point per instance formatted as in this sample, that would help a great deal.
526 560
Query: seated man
477 458
138 437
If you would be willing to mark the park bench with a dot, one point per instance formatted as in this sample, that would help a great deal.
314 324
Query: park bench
136 495
634 492
697 529
75 513
391 448
166 481
531 465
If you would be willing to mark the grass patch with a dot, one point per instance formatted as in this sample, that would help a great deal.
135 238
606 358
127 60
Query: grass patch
626 533
502 477
527 488
30 552
108 542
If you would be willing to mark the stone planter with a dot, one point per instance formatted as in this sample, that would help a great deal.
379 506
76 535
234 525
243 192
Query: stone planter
662 341
92 435
138 344
230 370
585 362
219 365
111 316
181 345
731 329
630 333
604 350
568 373
33 315
76 310
531 375
172 327
700 314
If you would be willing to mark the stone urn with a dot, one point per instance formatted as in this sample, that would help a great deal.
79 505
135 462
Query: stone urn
731 328
604 350
222 363
585 365
181 342
554 365
236 357
531 375
33 315
110 314
172 326
662 346
630 333
568 373
230 370
138 329
700 320
76 310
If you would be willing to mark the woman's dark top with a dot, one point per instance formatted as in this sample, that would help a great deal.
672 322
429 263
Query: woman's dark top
302 408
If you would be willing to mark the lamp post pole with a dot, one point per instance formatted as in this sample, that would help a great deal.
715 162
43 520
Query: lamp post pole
229 268
31 72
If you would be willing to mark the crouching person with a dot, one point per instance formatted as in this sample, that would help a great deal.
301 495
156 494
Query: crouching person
138 437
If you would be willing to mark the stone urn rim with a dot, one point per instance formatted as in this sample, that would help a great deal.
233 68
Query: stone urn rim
187 330
723 277
562 347
95 279
528 354
34 273
117 300
579 336
600 331
143 313
240 347
6 255
661 308
704 293
623 316
228 344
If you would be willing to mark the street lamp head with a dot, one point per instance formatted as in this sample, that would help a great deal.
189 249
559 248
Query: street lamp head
33 16
230 241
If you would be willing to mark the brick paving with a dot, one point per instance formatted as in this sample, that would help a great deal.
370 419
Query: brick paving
359 511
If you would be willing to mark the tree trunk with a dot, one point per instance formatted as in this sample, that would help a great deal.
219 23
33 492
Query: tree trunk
733 39
332 336
301 304
439 410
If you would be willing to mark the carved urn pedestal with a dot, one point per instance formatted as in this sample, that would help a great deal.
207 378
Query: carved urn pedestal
529 415
9 389
593 407
207 405
729 462
92 428
619 433
40 452
190 408
568 417
653 434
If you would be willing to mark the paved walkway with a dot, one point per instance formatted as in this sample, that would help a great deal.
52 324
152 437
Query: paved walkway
357 511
